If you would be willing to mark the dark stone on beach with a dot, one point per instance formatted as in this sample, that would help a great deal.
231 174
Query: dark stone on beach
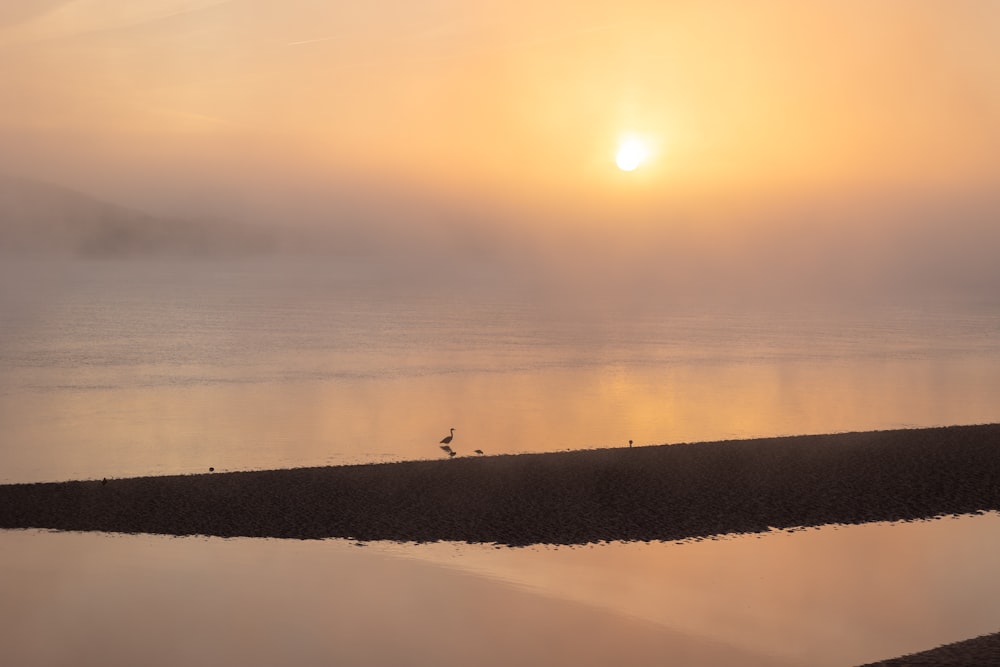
668 492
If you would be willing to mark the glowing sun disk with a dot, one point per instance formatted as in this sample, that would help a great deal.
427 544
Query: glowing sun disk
631 153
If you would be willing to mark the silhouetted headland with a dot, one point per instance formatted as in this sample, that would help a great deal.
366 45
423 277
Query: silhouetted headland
666 492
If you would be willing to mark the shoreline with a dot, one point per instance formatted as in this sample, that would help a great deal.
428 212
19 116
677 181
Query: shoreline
982 650
662 492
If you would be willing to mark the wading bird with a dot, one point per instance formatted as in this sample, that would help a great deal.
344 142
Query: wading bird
447 439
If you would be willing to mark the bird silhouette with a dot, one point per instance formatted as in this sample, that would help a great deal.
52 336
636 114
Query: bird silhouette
452 454
629 443
447 439
479 451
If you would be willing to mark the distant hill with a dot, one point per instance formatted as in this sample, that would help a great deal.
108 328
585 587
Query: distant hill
40 219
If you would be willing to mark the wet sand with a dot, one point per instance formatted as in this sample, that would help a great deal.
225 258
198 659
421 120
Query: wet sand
668 492
980 651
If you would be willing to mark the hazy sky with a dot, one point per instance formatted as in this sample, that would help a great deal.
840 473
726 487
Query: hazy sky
507 112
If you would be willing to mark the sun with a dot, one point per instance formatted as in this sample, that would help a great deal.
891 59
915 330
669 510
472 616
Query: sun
631 153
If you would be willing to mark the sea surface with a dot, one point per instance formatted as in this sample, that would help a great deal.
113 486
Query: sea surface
127 367
124 368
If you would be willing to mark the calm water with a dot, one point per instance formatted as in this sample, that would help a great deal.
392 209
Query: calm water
129 368
833 597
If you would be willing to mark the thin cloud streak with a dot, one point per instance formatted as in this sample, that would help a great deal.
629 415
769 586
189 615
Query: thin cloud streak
315 41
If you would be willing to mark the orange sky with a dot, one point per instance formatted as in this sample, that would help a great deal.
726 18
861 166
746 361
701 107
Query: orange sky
515 101
800 150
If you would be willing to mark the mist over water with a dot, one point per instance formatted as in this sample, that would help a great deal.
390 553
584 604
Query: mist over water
338 327
152 366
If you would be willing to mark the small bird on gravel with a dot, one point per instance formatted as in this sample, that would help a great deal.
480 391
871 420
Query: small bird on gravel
479 451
